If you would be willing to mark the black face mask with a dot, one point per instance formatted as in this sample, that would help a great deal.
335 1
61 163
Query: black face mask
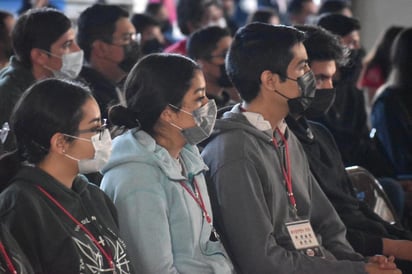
131 55
152 46
224 80
307 87
321 104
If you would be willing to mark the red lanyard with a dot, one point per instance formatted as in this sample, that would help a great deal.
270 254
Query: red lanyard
7 258
82 227
197 196
286 170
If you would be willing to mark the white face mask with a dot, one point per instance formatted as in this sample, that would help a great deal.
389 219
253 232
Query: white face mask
71 64
102 143
219 23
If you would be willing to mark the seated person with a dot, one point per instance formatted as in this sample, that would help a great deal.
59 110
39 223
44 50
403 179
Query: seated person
155 175
39 52
392 108
208 47
62 223
366 232
264 197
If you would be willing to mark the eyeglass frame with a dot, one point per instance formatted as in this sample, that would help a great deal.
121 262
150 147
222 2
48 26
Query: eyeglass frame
99 130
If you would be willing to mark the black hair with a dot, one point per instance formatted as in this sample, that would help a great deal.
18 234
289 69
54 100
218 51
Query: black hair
5 39
401 56
38 28
322 45
141 21
258 47
262 15
47 107
382 51
3 15
153 8
156 81
338 24
296 6
203 42
333 6
192 11
97 22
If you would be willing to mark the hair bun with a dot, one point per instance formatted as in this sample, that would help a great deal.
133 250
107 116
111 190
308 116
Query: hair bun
122 116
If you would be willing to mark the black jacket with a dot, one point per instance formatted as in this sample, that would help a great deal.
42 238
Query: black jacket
14 254
51 240
365 229
103 90
346 120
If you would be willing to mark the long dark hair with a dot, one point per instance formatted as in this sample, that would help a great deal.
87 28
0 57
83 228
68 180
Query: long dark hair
380 56
401 56
155 81
47 107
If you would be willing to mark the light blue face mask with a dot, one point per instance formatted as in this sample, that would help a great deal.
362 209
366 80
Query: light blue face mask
205 118
71 64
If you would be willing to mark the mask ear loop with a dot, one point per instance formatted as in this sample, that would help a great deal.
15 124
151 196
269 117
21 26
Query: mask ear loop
180 109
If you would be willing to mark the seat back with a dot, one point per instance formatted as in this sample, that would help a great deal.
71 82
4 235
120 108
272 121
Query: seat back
369 190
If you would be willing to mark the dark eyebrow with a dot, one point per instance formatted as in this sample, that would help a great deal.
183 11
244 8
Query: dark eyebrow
98 119
199 90
304 61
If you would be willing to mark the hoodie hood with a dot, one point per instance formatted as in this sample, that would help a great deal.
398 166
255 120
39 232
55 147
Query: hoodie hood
137 146
235 120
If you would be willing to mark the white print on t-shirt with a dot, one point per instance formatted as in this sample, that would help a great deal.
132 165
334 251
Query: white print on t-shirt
94 262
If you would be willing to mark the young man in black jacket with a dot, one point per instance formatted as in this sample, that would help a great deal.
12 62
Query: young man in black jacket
367 232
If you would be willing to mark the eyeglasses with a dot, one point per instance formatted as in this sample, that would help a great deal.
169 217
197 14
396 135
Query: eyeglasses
127 38
97 130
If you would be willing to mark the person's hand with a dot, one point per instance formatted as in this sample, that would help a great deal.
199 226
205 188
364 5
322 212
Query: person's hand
374 268
406 185
383 262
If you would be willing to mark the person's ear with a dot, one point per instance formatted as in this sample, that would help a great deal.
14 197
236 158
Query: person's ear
269 80
58 143
100 48
168 115
38 56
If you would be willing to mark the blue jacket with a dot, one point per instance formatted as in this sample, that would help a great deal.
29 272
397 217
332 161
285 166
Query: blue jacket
392 118
161 223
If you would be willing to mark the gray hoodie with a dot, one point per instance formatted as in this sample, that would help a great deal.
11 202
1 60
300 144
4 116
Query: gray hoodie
251 206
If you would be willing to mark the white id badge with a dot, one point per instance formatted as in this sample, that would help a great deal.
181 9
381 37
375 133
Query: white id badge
303 238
